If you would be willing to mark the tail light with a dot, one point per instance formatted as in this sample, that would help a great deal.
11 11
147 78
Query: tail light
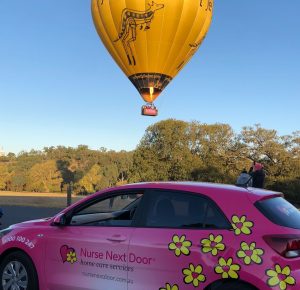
287 246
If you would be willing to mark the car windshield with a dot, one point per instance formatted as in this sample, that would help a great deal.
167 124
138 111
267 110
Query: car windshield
280 211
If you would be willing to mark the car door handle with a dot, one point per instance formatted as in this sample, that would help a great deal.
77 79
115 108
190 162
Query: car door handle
117 238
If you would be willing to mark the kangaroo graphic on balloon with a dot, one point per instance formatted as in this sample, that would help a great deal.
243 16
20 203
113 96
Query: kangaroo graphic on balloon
130 20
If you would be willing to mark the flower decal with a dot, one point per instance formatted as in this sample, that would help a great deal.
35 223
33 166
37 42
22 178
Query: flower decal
280 277
169 287
241 225
250 254
68 254
193 275
180 245
71 257
212 244
227 269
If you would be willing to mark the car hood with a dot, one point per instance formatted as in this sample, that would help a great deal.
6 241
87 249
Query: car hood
31 223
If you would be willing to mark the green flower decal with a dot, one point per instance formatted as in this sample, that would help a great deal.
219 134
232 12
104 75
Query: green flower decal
280 277
250 254
227 269
212 244
180 245
241 225
169 287
71 257
193 275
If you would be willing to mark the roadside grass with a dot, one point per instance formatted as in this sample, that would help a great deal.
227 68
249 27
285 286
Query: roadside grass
36 199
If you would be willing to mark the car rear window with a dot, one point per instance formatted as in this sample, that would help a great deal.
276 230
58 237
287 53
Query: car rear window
280 211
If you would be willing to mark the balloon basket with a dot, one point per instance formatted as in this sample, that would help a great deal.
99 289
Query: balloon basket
149 110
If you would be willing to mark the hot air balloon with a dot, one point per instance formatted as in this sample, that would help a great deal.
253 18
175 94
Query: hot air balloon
151 41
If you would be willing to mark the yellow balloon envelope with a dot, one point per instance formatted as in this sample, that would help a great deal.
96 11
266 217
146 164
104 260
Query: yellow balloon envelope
151 41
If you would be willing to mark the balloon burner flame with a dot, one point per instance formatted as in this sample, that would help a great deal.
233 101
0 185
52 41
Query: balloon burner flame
151 89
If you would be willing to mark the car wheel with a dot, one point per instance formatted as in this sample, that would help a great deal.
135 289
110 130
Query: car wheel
17 272
232 285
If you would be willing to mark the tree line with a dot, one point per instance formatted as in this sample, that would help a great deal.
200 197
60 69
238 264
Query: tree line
169 150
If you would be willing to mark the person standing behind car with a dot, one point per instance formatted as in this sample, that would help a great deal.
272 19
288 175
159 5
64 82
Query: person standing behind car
258 176
244 179
251 169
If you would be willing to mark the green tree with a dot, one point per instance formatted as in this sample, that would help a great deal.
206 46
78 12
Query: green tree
4 176
18 181
110 174
123 161
163 153
219 150
44 177
277 153
169 150
90 180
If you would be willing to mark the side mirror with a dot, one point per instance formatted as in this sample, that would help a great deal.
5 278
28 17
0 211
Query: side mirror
60 220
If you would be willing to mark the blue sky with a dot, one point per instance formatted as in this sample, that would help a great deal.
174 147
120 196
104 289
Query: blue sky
59 86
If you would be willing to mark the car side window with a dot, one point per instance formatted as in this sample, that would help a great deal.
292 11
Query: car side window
116 210
182 210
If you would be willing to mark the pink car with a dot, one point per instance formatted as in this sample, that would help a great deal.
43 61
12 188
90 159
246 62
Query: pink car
158 236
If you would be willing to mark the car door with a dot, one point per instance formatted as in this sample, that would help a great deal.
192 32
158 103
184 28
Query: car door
177 242
90 252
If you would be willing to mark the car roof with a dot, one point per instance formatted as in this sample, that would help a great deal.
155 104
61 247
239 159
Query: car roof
207 188
218 192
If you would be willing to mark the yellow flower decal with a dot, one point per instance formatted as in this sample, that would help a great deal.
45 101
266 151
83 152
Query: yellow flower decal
180 245
241 225
280 277
213 244
250 254
193 275
71 257
169 287
227 269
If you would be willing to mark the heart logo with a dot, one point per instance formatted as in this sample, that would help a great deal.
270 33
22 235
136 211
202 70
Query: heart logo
64 251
